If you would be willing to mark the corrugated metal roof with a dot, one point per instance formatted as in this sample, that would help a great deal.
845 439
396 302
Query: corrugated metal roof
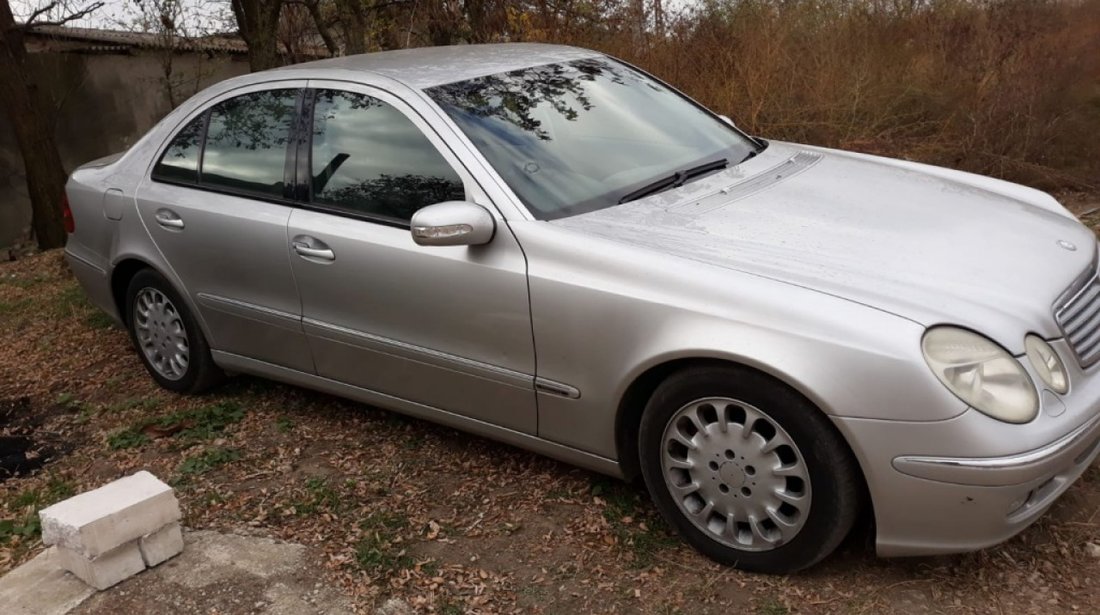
103 40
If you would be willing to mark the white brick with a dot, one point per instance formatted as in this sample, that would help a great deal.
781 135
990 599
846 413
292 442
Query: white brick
106 570
161 545
103 519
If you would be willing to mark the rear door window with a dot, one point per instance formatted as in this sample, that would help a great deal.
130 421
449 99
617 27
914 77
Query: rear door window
246 142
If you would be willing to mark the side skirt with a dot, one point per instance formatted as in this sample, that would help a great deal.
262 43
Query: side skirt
237 363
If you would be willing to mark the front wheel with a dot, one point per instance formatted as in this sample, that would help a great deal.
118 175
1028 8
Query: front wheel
166 336
748 471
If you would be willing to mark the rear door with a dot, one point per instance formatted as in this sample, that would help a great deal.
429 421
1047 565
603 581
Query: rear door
447 327
217 206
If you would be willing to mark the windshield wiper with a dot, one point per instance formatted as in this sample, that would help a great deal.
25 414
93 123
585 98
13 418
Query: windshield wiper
677 179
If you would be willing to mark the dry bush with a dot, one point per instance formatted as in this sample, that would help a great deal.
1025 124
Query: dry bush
1009 88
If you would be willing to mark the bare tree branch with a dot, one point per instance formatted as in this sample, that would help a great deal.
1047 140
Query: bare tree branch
35 17
40 12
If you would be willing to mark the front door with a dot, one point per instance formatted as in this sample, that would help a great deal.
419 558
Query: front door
447 327
216 207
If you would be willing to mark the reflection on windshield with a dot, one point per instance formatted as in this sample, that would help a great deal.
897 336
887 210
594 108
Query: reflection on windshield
575 137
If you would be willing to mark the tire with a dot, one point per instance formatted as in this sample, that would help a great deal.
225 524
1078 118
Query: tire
712 493
166 336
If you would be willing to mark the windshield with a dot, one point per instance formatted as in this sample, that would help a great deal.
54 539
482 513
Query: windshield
580 136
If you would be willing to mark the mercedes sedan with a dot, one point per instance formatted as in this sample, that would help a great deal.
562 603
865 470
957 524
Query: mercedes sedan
552 248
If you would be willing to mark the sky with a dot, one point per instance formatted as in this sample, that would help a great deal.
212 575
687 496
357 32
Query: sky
200 16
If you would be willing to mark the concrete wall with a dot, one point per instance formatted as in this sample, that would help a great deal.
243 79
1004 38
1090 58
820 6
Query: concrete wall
105 102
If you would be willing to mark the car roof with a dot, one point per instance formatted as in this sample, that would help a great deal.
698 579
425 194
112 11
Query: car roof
425 67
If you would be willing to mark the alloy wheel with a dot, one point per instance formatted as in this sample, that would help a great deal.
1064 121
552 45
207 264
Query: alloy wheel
160 333
736 474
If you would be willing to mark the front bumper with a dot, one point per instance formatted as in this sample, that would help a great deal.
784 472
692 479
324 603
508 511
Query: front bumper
928 504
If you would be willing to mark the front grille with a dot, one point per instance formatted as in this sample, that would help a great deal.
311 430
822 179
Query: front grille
1079 318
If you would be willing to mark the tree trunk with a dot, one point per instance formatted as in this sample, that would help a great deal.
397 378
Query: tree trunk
353 17
258 23
28 114
314 8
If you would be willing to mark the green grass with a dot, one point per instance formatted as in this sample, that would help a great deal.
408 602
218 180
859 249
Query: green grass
25 526
375 553
127 438
199 425
70 300
284 424
10 308
208 460
132 403
98 319
772 606
24 283
320 496
622 502
69 402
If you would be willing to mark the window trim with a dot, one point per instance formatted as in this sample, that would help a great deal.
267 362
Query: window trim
406 105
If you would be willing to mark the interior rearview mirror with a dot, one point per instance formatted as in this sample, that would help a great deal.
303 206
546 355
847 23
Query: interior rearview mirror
452 223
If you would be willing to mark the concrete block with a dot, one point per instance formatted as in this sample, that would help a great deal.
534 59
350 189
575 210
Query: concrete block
161 545
106 570
98 521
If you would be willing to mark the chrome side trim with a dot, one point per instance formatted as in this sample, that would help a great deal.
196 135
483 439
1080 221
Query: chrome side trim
412 352
545 385
529 442
1007 470
251 311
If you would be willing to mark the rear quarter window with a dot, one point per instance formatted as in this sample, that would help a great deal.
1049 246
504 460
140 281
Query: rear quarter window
180 162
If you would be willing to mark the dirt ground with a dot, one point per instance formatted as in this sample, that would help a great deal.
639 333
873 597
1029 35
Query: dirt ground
450 523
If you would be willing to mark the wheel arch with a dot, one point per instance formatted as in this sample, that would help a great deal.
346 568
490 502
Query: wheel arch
124 270
121 274
632 405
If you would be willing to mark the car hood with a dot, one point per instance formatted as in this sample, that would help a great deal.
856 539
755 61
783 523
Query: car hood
928 244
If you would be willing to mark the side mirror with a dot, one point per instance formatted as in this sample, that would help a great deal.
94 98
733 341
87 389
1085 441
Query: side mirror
452 223
726 119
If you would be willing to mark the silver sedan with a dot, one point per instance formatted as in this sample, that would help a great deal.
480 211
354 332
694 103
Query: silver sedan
549 247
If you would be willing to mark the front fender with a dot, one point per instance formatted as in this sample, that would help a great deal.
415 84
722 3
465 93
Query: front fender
607 314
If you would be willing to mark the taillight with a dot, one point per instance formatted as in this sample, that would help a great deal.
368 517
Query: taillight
67 215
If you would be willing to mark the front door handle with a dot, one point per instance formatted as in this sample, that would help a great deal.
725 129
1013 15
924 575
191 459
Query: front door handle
310 247
168 219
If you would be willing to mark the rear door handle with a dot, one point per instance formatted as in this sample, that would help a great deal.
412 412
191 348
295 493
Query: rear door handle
310 247
168 219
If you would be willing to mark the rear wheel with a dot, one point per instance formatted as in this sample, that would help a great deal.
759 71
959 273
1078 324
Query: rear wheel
747 470
166 336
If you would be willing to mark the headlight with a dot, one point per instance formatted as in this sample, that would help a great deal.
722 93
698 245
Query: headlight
1047 364
981 373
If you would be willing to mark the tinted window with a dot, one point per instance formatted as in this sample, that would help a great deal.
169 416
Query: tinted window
180 161
584 135
246 142
369 158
